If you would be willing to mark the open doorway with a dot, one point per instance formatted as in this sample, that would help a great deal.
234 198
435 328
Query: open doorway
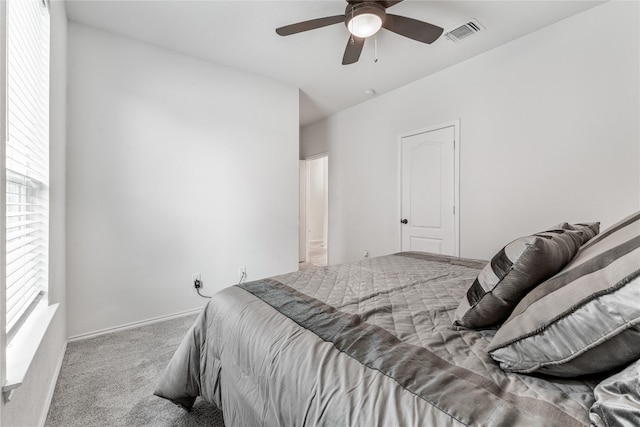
314 212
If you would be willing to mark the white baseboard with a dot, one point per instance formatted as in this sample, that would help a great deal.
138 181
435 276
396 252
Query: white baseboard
133 325
52 387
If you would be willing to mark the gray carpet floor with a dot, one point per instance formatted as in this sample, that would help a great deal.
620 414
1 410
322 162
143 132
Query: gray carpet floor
109 381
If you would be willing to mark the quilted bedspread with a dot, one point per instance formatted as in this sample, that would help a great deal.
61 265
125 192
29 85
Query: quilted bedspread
363 344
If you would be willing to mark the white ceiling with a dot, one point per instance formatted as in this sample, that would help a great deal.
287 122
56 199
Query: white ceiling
240 34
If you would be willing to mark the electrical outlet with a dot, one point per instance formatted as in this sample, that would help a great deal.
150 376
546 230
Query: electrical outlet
242 271
196 280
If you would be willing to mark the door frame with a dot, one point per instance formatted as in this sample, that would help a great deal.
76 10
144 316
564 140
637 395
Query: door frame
456 178
307 183
303 177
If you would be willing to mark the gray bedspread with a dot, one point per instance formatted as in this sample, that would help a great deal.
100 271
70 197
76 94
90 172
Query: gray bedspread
363 344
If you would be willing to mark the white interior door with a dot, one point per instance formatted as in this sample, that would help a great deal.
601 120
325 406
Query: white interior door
429 192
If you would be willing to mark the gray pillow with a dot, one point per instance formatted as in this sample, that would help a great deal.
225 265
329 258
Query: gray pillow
588 229
618 399
585 319
518 267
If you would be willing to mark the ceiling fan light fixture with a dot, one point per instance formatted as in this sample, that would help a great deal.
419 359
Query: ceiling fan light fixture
364 20
365 25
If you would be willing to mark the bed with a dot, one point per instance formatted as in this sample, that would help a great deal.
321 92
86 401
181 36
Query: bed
379 343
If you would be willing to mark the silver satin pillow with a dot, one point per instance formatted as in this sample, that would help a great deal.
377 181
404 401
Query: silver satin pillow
585 319
516 269
618 399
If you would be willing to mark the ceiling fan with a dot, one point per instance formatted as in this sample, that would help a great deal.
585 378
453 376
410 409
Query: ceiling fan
364 18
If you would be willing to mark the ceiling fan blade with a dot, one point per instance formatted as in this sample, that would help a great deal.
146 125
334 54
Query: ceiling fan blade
353 50
312 24
412 28
388 4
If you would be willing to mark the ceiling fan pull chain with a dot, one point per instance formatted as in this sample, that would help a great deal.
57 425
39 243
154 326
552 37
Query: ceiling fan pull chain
375 48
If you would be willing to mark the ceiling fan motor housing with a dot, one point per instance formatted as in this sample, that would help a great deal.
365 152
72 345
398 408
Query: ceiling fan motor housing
361 18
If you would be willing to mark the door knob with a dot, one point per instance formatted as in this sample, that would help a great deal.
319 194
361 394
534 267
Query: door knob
404 221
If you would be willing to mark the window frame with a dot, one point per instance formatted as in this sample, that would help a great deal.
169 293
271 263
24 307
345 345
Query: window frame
17 356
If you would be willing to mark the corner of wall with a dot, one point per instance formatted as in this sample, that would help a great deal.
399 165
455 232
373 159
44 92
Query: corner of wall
30 402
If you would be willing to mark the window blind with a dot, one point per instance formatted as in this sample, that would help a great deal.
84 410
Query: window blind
27 157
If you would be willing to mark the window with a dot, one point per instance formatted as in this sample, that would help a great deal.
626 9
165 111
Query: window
27 158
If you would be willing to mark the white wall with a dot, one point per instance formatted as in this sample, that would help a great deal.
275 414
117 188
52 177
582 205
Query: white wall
549 133
29 403
174 166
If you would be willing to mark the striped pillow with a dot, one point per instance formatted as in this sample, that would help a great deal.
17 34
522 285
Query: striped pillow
518 267
584 320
